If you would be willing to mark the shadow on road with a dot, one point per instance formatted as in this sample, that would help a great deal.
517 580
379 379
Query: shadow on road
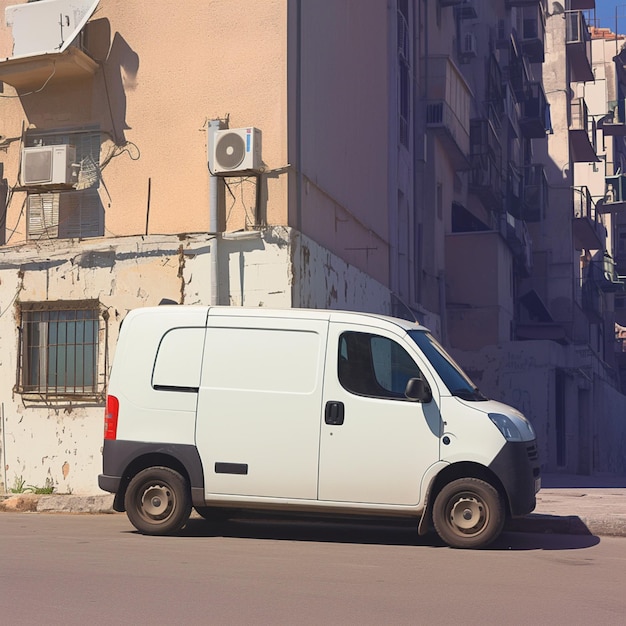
392 535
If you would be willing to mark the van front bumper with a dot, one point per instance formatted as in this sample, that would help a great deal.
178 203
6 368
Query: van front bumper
517 466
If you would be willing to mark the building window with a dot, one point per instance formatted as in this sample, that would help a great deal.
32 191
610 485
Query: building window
59 348
72 213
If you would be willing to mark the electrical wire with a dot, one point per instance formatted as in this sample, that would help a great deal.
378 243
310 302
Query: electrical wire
30 93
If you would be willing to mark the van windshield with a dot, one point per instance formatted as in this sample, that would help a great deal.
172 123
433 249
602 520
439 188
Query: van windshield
455 379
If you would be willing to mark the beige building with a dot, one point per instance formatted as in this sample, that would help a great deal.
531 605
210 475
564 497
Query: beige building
123 103
388 156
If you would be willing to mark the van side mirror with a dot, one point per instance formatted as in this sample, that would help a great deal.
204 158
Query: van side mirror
418 390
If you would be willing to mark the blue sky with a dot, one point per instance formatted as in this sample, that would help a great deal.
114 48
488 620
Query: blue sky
605 14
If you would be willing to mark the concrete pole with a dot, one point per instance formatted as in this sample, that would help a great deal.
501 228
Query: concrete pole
212 128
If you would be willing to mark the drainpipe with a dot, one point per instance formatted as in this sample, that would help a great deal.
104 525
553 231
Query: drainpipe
212 127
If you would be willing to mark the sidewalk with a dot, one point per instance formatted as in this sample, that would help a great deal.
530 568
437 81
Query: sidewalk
565 505
578 505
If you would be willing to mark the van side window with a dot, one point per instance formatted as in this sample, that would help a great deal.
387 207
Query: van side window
370 365
178 360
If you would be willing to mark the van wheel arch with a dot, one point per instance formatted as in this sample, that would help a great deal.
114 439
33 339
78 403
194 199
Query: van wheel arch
454 472
144 462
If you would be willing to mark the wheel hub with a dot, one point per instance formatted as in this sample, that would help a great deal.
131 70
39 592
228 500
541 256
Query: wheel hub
157 501
467 514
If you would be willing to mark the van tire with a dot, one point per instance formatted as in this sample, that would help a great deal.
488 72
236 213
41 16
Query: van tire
158 501
468 513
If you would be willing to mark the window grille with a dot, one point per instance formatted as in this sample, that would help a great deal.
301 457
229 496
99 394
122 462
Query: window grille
59 351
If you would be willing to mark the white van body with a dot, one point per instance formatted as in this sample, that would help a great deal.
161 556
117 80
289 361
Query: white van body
302 411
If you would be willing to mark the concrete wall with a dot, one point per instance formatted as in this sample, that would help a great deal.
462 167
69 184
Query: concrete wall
479 290
59 441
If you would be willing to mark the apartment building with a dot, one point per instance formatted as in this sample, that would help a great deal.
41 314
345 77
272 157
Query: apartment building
414 157
533 313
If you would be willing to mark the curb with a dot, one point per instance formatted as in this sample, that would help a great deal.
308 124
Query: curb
29 502
569 525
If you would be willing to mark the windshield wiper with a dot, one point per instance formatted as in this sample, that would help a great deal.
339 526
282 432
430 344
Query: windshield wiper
469 394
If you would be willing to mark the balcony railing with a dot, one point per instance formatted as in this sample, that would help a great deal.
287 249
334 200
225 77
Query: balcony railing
582 132
522 3
533 32
515 233
447 109
578 40
535 193
604 274
589 231
615 190
534 112
614 123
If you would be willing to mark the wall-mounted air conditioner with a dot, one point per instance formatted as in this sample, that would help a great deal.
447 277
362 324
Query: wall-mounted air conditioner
49 165
236 150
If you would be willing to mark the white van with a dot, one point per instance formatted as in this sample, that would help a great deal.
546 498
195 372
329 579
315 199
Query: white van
307 411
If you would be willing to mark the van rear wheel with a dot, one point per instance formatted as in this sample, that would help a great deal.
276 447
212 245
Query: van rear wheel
158 501
468 513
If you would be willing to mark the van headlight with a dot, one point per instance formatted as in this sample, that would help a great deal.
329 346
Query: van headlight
506 426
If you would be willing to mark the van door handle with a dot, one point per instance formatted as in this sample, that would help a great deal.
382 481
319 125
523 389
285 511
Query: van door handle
334 413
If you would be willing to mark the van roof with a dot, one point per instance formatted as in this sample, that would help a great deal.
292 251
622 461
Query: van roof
329 314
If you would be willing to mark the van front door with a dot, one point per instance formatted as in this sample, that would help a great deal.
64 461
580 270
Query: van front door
375 444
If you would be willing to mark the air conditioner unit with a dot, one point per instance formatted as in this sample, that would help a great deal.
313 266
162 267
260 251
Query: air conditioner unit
469 45
236 150
49 165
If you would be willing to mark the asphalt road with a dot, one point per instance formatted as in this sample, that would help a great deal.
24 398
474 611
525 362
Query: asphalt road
94 569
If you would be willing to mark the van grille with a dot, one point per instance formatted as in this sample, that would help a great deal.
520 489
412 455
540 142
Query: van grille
532 451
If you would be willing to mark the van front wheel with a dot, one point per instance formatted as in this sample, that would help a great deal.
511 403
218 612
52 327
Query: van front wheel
468 513
158 501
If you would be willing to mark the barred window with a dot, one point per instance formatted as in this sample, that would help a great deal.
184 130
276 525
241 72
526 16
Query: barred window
59 348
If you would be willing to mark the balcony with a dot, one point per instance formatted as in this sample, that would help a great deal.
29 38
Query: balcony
485 180
614 192
534 112
534 193
614 123
603 273
578 42
518 73
589 232
515 233
582 133
512 111
486 163
47 43
514 191
447 110
522 3
533 32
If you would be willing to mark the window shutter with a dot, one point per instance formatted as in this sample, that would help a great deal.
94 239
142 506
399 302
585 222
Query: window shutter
80 214
43 216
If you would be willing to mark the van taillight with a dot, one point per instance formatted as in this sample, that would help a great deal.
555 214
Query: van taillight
110 417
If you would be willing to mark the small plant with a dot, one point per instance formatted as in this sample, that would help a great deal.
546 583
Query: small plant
19 485
48 488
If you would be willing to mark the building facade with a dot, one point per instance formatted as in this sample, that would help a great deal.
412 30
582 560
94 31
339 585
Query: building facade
414 157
